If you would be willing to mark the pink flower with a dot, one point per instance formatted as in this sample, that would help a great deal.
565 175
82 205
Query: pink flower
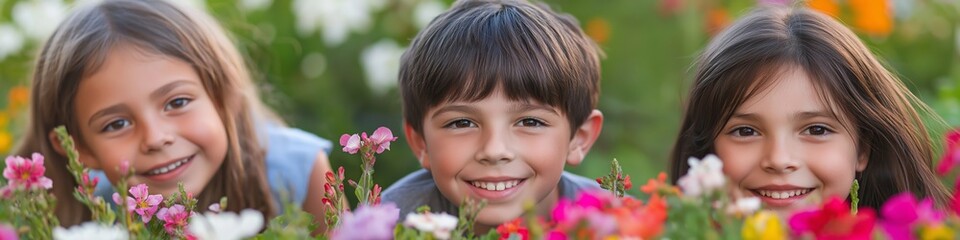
350 143
145 205
214 208
8 232
952 153
174 218
27 173
902 212
834 221
368 222
381 139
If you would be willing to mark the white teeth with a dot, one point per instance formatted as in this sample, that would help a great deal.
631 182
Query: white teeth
168 168
783 194
495 186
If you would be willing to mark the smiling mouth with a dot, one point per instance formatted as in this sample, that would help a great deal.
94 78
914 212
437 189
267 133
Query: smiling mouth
496 186
782 194
168 168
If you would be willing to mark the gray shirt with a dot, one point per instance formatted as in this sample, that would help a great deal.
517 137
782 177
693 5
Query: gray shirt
418 189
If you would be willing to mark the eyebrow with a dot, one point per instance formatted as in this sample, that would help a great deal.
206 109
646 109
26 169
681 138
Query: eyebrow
799 116
455 108
517 108
814 114
165 89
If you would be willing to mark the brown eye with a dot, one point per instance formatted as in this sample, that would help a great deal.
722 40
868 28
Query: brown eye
461 123
177 103
115 125
818 130
531 122
744 131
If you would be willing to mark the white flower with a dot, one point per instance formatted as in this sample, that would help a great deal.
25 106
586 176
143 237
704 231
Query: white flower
91 230
439 224
703 177
192 4
226 225
381 63
38 19
337 18
11 41
253 5
426 11
744 206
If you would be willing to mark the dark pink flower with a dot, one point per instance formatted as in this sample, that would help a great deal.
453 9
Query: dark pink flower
174 218
902 212
951 155
141 202
350 143
381 138
26 173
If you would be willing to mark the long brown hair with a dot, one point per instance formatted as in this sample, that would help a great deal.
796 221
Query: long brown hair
874 102
78 47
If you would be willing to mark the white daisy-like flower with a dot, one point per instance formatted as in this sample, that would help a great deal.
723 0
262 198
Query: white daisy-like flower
440 224
11 41
425 11
92 231
226 225
38 19
381 64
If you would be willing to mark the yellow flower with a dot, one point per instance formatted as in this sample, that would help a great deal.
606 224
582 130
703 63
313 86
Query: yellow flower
940 231
828 7
6 140
763 225
872 16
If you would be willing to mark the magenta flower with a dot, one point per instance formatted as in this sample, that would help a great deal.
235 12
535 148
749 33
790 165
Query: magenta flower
8 232
350 143
26 173
368 222
174 218
951 154
381 139
834 221
145 205
902 212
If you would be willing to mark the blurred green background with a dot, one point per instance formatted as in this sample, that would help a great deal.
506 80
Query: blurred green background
330 66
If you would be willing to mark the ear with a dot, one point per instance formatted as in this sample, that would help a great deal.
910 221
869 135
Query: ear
584 137
84 156
417 145
862 160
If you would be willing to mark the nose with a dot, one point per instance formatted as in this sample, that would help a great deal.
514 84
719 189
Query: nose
495 148
778 157
157 135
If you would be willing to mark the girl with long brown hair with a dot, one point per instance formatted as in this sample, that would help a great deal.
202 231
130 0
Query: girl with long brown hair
796 106
165 89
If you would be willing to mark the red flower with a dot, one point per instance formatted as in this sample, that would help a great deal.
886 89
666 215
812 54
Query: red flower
834 221
514 227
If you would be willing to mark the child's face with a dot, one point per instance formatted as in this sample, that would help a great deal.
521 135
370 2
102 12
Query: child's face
152 111
784 145
507 152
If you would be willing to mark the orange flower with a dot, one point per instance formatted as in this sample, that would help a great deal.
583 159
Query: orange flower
599 30
660 184
828 7
18 96
644 222
717 19
872 17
